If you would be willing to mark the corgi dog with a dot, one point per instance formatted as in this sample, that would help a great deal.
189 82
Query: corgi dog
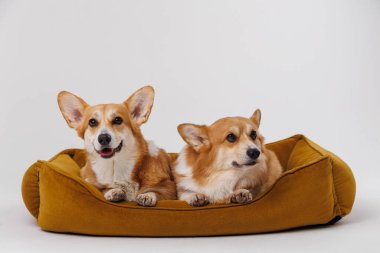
120 162
226 162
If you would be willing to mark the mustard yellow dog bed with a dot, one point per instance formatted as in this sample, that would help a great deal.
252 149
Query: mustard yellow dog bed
316 188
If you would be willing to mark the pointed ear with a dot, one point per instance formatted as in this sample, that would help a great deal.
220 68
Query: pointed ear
72 108
140 104
256 117
194 135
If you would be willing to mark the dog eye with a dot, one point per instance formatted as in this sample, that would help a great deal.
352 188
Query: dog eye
231 138
92 122
117 121
253 135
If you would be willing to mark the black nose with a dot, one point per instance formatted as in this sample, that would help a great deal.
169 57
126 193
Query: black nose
254 153
104 139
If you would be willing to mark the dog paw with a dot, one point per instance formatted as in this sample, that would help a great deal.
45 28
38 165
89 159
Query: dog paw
241 196
147 199
199 199
114 195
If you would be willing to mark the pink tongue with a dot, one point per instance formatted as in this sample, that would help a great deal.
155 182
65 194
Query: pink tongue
106 152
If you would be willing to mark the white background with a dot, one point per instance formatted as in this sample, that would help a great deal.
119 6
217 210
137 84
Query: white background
313 67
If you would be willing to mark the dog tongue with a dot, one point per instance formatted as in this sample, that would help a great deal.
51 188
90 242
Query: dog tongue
106 152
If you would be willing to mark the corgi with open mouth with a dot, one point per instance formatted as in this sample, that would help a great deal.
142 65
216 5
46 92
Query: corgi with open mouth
226 162
120 162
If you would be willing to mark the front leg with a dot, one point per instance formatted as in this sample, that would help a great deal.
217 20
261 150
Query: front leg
114 194
88 175
195 199
147 199
130 189
241 196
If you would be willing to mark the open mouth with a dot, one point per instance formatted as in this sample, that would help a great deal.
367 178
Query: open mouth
108 152
251 163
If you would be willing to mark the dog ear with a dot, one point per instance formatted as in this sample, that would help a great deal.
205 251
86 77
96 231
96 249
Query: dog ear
140 104
194 135
72 108
256 117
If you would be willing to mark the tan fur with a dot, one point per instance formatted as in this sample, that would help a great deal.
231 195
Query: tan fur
149 178
204 171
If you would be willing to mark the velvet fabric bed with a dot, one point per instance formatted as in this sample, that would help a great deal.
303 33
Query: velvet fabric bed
316 188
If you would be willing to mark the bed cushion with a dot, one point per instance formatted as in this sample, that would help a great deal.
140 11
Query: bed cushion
316 188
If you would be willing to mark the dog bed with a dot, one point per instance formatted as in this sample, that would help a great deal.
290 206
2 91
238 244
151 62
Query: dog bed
316 188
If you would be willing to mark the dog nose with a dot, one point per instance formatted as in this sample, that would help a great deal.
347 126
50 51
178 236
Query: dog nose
253 153
104 139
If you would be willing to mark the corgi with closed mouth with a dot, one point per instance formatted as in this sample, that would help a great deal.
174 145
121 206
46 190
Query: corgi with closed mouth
226 162
120 162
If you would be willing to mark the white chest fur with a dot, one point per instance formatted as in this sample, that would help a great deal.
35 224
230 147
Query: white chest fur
218 186
116 171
